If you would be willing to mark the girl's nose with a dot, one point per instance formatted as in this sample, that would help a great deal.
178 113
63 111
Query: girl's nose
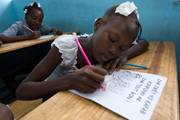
37 21
113 49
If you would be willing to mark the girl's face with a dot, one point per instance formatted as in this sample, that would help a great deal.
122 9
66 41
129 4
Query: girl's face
34 18
112 38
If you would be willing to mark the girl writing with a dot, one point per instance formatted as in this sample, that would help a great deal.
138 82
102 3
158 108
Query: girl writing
33 19
110 43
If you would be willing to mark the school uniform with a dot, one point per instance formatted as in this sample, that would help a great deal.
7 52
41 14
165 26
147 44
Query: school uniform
17 29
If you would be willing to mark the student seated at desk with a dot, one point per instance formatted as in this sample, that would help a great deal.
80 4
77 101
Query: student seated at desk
33 19
110 43
17 32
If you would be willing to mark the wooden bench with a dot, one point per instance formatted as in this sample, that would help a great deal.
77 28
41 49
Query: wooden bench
21 108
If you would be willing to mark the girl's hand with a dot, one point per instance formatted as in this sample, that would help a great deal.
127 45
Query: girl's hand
35 35
57 32
88 79
116 63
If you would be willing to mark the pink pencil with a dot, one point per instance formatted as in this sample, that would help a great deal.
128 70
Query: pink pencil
28 28
84 54
86 58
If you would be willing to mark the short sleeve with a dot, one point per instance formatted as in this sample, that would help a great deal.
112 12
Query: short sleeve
45 29
12 30
68 48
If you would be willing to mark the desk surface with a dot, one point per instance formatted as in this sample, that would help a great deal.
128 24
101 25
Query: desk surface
160 58
22 44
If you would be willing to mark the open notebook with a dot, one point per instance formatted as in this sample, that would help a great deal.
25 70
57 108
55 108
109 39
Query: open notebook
130 94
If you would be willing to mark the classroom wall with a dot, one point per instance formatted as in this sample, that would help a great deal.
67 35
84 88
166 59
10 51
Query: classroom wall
160 19
7 14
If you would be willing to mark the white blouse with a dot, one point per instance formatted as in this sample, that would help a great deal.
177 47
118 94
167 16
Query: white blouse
68 47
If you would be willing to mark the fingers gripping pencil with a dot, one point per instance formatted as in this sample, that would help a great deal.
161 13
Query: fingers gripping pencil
87 60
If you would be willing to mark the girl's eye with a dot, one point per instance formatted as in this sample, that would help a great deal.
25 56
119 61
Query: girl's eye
34 18
121 49
111 39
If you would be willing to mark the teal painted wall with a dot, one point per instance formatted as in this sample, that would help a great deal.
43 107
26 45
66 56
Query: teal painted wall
160 19
7 14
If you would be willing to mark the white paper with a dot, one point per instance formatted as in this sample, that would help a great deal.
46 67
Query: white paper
45 36
130 94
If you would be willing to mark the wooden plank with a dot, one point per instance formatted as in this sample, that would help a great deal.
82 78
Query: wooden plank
21 108
163 62
161 59
22 44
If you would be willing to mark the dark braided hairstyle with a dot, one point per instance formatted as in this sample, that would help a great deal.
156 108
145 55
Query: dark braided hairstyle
29 7
110 15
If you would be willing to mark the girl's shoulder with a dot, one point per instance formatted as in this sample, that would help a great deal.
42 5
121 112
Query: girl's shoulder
15 29
68 48
65 41
21 23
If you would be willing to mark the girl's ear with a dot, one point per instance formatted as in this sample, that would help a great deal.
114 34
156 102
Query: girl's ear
26 15
97 24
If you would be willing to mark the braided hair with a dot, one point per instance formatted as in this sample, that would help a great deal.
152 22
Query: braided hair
29 7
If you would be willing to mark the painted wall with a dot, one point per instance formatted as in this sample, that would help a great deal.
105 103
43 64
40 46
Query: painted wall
7 14
160 19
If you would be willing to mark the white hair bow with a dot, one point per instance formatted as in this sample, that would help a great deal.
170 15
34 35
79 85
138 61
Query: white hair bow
39 5
33 4
126 9
25 10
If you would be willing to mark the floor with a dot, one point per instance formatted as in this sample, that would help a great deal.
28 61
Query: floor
6 96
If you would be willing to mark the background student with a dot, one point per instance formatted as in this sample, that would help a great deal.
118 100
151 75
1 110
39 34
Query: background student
33 19
17 32
113 35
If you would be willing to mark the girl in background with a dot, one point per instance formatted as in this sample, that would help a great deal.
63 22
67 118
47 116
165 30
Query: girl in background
33 19
17 32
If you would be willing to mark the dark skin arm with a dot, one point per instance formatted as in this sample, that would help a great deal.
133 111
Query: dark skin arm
9 39
34 86
133 51
57 31
34 35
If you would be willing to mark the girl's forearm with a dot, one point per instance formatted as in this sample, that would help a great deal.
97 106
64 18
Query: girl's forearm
136 49
9 39
31 90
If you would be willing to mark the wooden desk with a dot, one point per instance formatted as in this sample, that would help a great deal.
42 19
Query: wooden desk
160 57
22 44
19 55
